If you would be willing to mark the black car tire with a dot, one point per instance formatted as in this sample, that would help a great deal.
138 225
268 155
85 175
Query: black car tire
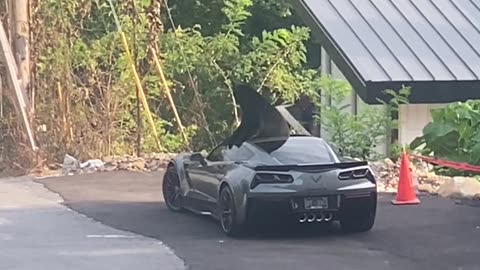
228 213
362 221
171 183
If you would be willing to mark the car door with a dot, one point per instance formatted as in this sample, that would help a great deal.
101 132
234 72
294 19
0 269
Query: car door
207 177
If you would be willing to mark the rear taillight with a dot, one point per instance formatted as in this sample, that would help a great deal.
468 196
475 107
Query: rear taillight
356 174
271 178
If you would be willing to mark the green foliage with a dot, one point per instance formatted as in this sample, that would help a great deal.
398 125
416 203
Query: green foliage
213 44
356 135
274 61
453 134
392 108
262 15
78 47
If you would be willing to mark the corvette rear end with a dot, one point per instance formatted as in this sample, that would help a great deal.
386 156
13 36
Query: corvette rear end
312 193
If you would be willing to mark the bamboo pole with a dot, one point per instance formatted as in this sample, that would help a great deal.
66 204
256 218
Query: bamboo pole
137 93
136 77
168 93
62 108
140 88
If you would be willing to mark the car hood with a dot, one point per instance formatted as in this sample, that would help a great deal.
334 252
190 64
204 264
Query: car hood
260 120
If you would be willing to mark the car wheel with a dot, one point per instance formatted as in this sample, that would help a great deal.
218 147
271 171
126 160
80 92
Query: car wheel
362 221
228 213
171 190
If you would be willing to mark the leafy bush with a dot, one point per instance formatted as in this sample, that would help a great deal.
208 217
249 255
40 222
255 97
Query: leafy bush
356 135
453 134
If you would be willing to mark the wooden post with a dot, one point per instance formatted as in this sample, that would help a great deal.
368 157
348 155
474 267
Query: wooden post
9 26
21 41
19 96
1 97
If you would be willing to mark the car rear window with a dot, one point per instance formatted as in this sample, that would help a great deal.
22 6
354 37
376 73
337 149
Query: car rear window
240 154
302 150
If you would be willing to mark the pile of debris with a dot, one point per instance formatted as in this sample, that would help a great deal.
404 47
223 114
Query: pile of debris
72 166
387 173
424 179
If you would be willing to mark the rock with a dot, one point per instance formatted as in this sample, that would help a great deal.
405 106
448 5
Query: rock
383 174
154 164
69 160
448 188
138 165
470 187
382 188
389 162
70 164
426 188
161 156
92 164
109 168
124 166
108 159
460 187
54 166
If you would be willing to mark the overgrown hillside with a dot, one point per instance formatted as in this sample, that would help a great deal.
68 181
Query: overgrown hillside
85 91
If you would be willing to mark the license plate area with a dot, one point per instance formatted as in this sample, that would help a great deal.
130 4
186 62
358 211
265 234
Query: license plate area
315 203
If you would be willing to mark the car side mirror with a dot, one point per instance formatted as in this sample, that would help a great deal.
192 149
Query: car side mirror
198 157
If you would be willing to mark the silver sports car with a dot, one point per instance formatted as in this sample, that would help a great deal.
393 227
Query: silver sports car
263 168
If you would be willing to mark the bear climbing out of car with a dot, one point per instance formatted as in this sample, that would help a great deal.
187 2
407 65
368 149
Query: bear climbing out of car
260 119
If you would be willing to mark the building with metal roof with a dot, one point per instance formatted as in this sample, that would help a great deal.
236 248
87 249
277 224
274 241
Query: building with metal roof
433 46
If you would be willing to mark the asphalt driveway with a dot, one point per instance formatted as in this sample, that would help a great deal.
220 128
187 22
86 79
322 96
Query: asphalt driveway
437 234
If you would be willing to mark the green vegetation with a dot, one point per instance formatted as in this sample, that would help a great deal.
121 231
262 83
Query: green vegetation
357 135
85 94
78 46
453 134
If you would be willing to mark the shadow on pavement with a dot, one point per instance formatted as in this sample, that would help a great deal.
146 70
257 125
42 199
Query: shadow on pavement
153 219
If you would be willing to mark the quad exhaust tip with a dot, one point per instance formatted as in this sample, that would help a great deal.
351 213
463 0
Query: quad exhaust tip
311 217
303 218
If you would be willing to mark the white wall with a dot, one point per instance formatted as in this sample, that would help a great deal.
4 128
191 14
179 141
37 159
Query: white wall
413 118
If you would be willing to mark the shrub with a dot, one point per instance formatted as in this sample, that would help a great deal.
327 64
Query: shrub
453 134
357 135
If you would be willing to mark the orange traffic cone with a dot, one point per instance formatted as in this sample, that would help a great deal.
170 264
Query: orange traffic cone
405 190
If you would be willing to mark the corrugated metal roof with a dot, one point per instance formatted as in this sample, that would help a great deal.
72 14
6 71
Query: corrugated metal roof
427 44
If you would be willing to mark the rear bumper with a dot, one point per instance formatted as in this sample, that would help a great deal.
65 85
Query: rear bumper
284 205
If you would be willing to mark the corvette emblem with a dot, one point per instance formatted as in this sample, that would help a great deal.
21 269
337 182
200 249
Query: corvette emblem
316 178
